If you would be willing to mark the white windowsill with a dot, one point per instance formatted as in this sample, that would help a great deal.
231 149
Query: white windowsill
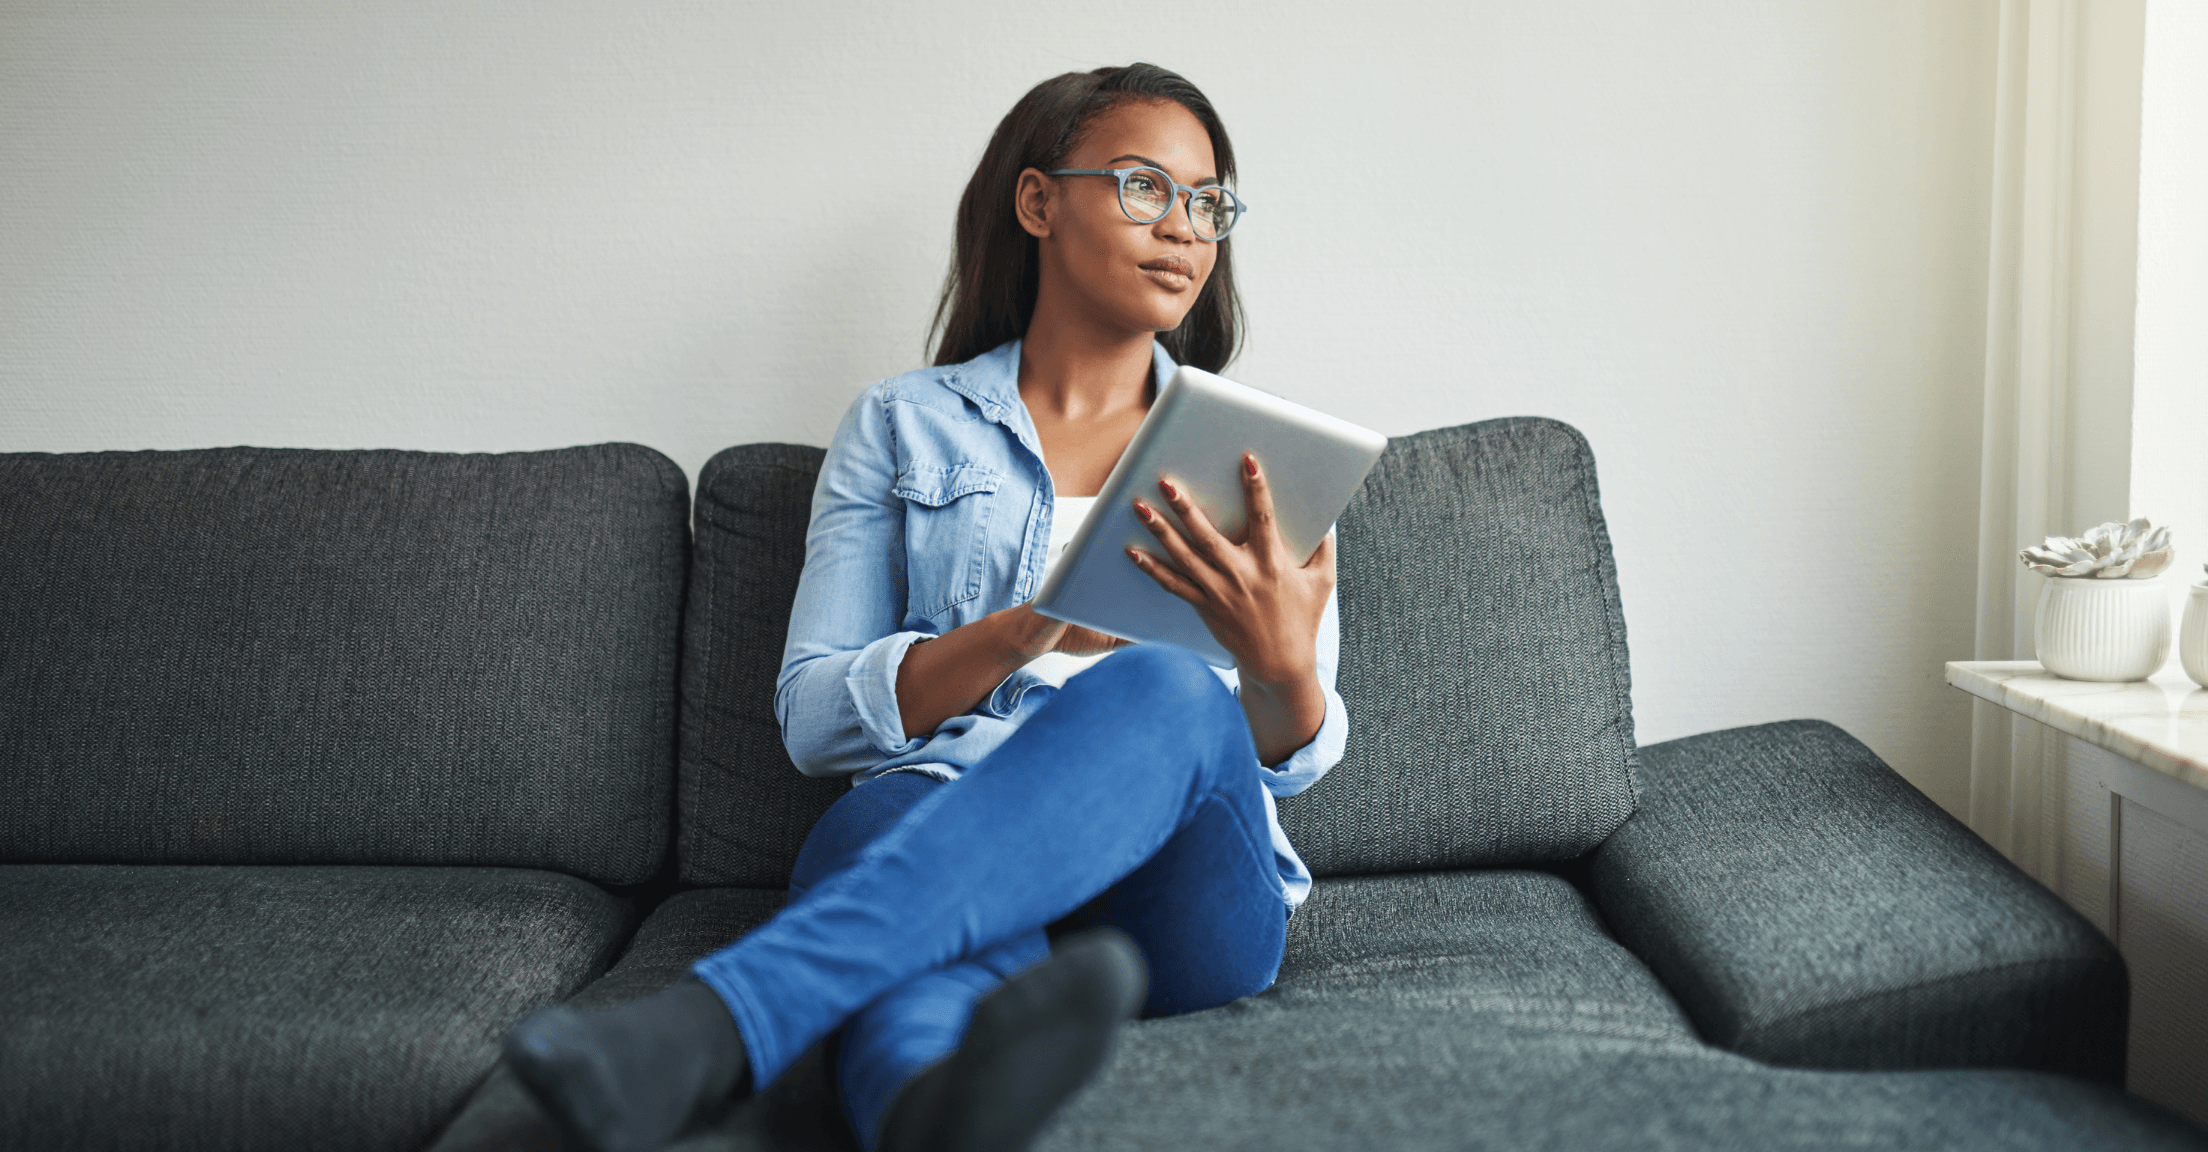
2161 723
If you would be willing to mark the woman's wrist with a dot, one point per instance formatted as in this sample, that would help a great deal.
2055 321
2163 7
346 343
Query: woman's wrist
1283 716
1027 633
1297 694
1281 683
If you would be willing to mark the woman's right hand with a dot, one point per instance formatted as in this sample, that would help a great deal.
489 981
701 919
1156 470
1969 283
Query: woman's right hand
1039 634
951 674
1079 641
1031 632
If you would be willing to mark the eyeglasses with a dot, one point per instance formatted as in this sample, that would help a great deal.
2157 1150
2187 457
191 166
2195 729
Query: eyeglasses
1147 194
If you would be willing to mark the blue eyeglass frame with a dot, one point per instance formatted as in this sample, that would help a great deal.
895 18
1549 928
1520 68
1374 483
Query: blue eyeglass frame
1121 174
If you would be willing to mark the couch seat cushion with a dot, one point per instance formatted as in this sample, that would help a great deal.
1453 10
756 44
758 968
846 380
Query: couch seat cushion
502 1116
212 1007
1446 1011
1518 946
1270 1076
1491 1010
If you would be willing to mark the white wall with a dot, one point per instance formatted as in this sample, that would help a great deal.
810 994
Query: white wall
1741 245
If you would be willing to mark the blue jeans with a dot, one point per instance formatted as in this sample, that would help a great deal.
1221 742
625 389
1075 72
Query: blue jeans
1131 799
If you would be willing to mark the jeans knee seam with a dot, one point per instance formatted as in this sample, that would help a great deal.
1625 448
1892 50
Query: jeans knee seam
1261 851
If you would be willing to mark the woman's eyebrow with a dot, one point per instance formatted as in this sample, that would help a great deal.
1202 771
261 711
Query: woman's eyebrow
1161 168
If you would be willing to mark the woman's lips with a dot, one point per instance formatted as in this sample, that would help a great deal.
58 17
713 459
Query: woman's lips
1171 271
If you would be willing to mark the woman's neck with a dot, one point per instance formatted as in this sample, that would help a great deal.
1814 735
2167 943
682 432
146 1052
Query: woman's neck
1086 392
1076 373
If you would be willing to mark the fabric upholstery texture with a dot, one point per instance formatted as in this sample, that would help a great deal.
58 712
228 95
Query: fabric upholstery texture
744 809
1307 1071
1489 1010
678 932
1483 660
261 656
238 1008
1809 907
796 1113
1518 946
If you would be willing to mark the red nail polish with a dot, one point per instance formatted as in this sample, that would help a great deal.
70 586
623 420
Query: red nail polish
1171 491
1249 464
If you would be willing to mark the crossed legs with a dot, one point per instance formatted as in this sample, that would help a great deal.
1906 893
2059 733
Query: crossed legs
1205 911
1130 801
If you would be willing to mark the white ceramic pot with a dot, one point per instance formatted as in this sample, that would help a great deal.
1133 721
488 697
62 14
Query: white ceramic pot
2192 635
2103 629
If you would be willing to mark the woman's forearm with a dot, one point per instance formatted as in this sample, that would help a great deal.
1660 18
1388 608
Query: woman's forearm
950 674
1283 717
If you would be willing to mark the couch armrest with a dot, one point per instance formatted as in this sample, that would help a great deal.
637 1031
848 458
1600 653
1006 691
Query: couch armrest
1809 907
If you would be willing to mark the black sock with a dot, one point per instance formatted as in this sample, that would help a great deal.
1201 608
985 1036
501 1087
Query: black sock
627 1079
1032 1043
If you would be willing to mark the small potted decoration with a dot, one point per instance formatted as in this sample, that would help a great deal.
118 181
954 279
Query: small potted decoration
2192 641
2102 615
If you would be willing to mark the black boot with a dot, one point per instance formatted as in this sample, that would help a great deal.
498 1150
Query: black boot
1033 1042
627 1079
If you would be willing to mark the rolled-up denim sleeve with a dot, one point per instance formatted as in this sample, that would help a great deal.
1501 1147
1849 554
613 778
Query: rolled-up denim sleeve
836 697
1303 768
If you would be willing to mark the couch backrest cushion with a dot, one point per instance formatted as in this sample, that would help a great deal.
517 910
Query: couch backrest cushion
278 656
1483 660
743 808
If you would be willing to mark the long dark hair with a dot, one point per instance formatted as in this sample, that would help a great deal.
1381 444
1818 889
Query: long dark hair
989 295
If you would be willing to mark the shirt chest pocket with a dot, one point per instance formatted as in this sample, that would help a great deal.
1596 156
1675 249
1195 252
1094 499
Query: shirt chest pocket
947 513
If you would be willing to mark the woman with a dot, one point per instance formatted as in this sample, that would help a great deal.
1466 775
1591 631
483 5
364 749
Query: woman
1127 808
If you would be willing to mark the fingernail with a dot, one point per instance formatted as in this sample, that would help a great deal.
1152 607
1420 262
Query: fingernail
1135 554
1249 464
1171 492
1143 510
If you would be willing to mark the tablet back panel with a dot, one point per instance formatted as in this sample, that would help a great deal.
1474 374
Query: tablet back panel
1196 434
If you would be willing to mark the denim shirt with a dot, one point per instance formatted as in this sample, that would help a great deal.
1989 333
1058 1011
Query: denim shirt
933 510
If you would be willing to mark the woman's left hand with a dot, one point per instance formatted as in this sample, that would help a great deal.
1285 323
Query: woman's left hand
1262 603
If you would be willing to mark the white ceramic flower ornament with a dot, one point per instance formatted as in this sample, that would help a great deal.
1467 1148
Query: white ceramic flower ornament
2111 551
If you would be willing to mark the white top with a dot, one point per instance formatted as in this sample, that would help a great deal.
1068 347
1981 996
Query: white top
1066 516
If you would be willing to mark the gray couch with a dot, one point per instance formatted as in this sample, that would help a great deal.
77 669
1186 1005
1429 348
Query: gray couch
323 768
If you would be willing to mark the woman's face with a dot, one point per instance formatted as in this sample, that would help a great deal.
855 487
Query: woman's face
1135 277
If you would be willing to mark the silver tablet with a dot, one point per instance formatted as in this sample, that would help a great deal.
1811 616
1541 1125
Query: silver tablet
1196 432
